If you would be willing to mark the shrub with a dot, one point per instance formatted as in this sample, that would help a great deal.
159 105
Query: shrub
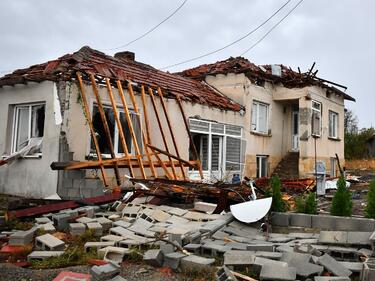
307 205
370 208
342 200
278 204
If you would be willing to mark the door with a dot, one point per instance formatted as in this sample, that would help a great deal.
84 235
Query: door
295 131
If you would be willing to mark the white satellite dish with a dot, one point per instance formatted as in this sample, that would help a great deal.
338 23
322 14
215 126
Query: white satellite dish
251 211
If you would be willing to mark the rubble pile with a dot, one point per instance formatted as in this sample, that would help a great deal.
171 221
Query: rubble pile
186 240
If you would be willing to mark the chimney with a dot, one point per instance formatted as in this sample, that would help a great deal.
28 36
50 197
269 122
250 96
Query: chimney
126 55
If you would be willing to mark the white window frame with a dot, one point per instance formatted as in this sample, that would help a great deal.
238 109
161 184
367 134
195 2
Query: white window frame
15 124
333 124
319 111
226 133
260 157
115 140
256 121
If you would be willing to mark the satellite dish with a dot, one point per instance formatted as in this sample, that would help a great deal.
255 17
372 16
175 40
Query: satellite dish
251 211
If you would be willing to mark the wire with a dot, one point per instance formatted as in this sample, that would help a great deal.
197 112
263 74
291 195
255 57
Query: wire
232 43
272 28
152 29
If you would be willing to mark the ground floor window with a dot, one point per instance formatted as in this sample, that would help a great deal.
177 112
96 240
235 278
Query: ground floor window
262 166
28 123
114 131
221 148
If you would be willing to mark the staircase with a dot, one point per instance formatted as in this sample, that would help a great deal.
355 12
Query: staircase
288 166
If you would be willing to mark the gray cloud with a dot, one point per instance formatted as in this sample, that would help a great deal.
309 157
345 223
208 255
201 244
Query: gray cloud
336 34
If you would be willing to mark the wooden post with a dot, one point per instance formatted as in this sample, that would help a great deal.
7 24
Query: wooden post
130 124
92 132
171 130
190 136
106 127
161 130
119 125
147 138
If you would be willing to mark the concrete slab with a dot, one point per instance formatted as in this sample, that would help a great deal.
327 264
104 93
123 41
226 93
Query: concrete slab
239 258
333 266
261 247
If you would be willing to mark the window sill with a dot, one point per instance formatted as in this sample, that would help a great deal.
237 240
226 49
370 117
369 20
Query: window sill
334 139
260 134
34 156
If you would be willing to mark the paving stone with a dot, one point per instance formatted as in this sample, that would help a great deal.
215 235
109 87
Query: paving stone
48 242
104 272
300 220
96 228
153 257
77 228
43 220
276 272
193 262
42 255
333 266
97 245
333 237
172 260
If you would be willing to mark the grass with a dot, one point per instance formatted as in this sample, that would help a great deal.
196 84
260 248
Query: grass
199 274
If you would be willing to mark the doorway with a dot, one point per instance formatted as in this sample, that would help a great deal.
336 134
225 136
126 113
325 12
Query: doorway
295 130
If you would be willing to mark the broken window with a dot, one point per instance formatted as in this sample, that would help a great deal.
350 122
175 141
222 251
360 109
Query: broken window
333 124
262 166
259 117
114 131
28 123
316 123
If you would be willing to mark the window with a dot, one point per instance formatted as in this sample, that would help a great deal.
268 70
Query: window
220 147
259 117
316 123
28 123
262 166
333 124
113 128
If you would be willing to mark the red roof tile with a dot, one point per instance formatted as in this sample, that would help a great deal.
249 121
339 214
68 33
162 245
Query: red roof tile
95 62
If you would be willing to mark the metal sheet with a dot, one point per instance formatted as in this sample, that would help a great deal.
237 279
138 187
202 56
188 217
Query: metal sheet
251 211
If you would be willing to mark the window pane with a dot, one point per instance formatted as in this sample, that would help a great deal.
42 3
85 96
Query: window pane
204 151
254 117
136 121
215 152
316 123
264 161
37 121
233 154
22 134
262 126
99 129
127 135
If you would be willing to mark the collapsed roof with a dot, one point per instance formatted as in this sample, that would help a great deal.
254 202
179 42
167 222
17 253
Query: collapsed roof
287 77
123 68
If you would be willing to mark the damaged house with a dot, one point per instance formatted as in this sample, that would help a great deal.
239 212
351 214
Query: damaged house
87 121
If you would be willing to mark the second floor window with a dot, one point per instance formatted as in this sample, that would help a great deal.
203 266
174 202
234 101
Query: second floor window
316 122
259 117
333 125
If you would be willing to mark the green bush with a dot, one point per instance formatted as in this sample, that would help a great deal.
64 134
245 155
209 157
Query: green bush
370 208
278 204
306 205
342 200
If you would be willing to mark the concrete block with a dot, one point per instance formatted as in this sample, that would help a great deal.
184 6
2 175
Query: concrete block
113 254
130 243
333 266
275 273
224 274
61 221
97 245
42 255
172 260
302 264
48 242
323 222
167 248
261 247
111 237
131 211
333 237
176 211
118 278
77 228
96 228
175 220
368 270
47 227
259 262
153 257
43 220
204 207
120 231
280 219
352 266
195 248
85 220
359 238
141 226
331 278
104 272
194 262
239 258
300 220
214 249
122 223
22 237
160 216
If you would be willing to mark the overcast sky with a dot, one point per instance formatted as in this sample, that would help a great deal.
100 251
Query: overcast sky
337 34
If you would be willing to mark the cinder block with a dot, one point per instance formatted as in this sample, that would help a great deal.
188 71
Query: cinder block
61 221
22 237
42 255
194 262
97 245
300 220
333 266
95 227
153 257
77 228
323 222
280 219
104 272
48 242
